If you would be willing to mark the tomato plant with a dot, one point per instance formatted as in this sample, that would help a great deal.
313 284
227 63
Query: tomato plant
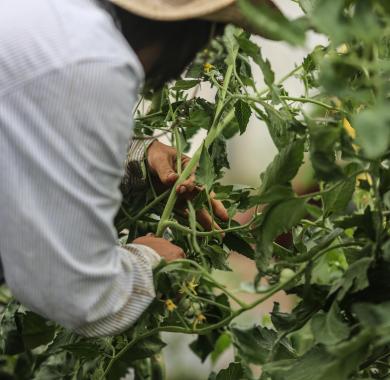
338 262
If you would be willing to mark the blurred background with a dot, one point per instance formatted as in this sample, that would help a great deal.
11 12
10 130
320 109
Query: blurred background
249 155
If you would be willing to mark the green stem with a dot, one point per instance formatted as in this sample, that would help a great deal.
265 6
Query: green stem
318 193
150 205
211 302
282 80
217 325
187 230
301 100
214 132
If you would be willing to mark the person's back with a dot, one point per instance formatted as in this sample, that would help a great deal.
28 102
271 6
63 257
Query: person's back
67 83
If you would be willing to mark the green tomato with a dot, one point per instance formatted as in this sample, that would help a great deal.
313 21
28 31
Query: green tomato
286 274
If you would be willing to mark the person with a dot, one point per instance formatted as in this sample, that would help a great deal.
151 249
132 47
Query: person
70 72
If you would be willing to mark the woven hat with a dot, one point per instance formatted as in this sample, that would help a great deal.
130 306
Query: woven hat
225 11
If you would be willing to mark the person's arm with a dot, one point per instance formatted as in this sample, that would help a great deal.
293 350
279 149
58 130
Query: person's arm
66 141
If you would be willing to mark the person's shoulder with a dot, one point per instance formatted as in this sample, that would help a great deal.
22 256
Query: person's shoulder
44 35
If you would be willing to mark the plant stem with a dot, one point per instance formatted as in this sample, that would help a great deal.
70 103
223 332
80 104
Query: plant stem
222 322
318 193
150 205
213 134
187 230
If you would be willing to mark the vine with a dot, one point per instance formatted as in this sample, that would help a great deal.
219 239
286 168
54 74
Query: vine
337 260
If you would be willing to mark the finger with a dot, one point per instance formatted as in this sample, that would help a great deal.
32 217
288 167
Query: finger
165 171
218 208
187 186
181 254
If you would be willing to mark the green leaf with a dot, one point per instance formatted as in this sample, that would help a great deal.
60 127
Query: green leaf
377 318
327 17
337 200
274 194
221 345
329 328
83 350
318 364
284 167
11 339
271 23
233 372
373 131
205 174
243 113
181 85
355 278
371 315
229 39
217 256
36 331
323 140
254 51
277 219
204 345
143 349
254 344
308 5
238 244
278 127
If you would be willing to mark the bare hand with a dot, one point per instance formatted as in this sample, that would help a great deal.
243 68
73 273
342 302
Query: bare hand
164 248
162 162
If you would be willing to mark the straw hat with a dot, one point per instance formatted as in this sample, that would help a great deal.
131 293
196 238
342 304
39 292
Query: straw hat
225 11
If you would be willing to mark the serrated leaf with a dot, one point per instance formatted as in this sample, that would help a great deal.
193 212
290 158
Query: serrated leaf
355 278
329 328
143 349
271 23
254 51
373 131
337 200
323 140
238 244
284 167
36 330
205 174
204 345
318 364
182 85
254 344
274 194
243 113
233 372
221 345
277 219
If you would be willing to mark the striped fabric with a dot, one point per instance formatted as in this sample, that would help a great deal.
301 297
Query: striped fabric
68 82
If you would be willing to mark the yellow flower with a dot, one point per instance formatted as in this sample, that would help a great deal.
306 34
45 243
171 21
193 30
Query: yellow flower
170 305
192 285
349 129
189 287
200 318
207 67
342 49
365 177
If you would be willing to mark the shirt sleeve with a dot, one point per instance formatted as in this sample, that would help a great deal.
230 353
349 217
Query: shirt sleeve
66 135
135 177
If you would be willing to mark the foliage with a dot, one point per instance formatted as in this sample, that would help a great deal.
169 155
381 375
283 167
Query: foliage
338 261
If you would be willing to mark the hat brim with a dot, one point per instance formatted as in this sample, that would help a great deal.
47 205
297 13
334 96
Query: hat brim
171 11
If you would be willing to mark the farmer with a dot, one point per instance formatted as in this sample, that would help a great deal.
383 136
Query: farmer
70 72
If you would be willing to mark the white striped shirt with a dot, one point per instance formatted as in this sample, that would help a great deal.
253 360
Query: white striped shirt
68 82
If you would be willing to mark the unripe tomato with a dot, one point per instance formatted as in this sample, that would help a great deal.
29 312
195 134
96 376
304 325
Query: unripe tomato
286 274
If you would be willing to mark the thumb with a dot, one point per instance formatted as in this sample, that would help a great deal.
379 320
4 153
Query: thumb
166 172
